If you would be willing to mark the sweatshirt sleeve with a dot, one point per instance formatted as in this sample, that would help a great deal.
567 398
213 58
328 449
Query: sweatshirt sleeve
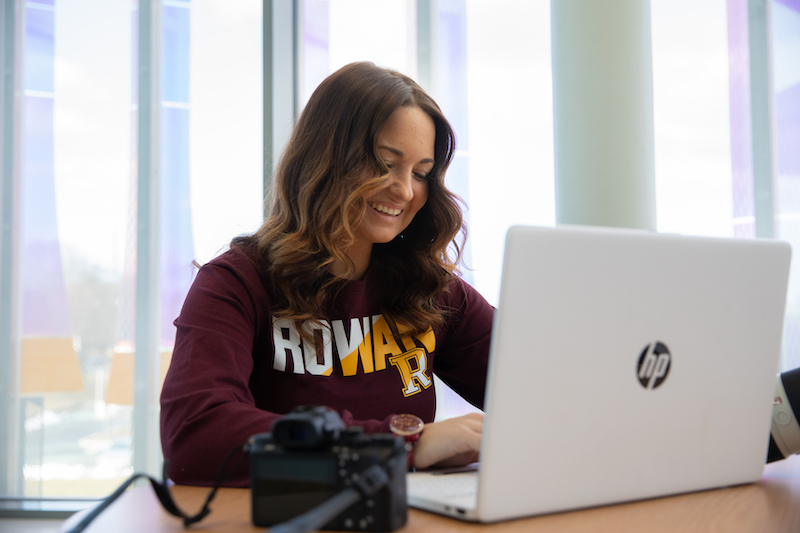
207 406
462 360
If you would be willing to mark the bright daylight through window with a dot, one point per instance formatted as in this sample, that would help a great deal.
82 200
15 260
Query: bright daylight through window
70 422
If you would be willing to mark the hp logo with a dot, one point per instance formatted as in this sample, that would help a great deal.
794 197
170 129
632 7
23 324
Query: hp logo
654 365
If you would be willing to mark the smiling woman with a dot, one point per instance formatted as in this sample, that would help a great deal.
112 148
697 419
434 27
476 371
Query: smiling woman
333 164
406 145
346 297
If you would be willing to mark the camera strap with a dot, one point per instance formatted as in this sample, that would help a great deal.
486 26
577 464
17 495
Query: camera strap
368 483
164 496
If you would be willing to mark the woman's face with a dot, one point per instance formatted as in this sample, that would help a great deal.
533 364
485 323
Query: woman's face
406 145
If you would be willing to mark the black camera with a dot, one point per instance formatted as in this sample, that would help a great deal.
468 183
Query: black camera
310 458
785 435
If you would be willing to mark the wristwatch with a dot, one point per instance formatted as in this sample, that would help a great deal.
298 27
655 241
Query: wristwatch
410 428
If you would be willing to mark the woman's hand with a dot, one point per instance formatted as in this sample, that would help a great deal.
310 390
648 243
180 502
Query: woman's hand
451 442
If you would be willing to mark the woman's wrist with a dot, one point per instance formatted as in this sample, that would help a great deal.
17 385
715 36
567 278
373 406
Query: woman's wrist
410 428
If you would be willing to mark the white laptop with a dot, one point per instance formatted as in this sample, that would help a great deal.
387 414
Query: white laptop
624 365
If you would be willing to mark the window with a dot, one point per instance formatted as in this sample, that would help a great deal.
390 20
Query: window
786 85
68 329
765 188
70 433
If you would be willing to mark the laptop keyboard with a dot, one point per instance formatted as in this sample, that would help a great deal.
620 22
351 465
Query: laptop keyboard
443 486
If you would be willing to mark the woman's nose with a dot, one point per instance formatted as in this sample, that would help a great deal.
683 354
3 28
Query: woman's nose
402 184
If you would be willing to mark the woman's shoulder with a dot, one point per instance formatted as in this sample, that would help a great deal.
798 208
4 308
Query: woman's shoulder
237 262
459 289
460 295
468 315
233 256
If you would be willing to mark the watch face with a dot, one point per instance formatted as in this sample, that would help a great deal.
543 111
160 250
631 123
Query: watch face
406 424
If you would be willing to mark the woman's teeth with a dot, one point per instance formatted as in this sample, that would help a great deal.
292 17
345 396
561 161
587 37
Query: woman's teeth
384 209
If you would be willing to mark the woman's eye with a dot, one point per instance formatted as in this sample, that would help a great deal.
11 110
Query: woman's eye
422 176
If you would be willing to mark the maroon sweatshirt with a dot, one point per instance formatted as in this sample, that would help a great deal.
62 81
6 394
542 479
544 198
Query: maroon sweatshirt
235 368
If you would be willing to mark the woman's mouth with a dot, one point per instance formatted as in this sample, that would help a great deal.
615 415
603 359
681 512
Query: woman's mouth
385 210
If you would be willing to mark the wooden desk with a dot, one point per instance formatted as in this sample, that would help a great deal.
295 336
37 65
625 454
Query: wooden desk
771 505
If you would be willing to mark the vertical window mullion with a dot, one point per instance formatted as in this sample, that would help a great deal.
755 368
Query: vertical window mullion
11 31
761 105
145 402
426 43
280 79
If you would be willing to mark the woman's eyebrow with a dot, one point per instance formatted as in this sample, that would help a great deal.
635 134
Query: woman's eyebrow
399 153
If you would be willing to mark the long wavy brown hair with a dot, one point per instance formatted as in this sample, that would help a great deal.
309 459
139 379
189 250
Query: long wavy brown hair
317 199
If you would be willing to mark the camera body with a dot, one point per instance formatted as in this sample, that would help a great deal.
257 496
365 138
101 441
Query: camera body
310 456
785 432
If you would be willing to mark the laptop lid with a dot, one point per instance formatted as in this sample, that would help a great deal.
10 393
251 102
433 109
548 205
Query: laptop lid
626 365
